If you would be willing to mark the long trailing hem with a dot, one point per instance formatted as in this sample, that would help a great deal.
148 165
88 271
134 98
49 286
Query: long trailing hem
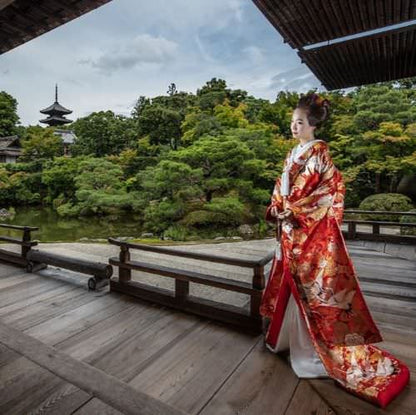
364 370
316 269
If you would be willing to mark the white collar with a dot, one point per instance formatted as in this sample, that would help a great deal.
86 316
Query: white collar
301 149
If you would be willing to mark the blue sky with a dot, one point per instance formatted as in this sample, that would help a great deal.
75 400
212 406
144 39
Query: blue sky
109 57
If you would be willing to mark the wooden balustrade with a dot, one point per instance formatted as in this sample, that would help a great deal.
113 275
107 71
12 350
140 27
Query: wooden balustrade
181 299
376 235
25 242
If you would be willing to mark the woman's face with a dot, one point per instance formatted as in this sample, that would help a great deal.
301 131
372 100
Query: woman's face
300 125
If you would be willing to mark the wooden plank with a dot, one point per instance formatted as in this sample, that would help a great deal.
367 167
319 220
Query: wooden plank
27 288
16 278
7 270
64 325
13 258
23 383
19 306
307 401
102 340
345 403
187 374
140 345
93 381
121 345
42 311
263 383
392 306
236 316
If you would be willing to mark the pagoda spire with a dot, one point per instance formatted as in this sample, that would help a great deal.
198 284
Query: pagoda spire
56 92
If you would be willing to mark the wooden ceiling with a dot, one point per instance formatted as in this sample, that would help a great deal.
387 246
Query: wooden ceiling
23 20
378 57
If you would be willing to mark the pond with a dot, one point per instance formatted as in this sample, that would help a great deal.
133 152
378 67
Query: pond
54 228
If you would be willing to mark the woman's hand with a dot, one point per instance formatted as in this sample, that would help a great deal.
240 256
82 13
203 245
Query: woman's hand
286 214
280 215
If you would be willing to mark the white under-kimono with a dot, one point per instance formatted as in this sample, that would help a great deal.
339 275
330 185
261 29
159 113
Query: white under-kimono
294 335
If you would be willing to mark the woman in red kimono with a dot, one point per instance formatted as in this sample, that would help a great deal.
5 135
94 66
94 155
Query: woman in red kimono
312 299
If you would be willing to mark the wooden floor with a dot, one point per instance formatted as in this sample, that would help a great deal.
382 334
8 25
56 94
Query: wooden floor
189 363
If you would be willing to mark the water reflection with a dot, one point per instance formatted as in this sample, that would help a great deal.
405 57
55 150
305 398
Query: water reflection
54 228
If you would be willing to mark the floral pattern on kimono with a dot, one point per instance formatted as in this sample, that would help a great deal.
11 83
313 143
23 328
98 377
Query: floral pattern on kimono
317 269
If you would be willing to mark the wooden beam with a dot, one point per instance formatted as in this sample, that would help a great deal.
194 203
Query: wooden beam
95 382
5 3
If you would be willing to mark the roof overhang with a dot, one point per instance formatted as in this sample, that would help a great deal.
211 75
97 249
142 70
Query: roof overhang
23 20
384 55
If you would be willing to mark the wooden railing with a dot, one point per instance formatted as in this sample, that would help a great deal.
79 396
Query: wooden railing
375 234
180 298
25 242
34 260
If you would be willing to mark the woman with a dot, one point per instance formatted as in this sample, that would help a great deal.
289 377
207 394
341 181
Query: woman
312 298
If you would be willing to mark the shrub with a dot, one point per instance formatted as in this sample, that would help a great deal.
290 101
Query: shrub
388 202
408 219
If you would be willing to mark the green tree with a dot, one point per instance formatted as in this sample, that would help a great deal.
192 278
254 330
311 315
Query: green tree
40 144
103 133
8 115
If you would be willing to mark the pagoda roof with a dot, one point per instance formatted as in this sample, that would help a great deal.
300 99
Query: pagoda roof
56 108
55 120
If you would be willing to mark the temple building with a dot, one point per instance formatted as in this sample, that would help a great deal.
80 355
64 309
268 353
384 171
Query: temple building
56 113
10 149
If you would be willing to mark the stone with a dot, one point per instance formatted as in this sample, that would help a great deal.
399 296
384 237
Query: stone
245 229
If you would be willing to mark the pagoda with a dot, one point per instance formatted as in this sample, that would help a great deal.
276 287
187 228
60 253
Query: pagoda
56 113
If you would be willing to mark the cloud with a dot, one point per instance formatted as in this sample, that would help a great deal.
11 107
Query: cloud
298 78
254 53
140 50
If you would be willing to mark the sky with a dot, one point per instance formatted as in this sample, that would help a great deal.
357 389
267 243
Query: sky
107 58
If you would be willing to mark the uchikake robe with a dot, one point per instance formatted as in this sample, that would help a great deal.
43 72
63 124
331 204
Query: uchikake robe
316 268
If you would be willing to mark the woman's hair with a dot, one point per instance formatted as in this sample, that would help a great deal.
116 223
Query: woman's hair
317 108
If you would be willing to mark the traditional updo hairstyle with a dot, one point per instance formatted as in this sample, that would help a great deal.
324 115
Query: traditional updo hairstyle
316 107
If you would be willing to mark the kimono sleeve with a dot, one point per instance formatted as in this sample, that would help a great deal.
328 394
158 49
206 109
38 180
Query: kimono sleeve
329 192
276 198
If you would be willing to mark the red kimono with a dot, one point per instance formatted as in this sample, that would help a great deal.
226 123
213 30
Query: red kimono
316 268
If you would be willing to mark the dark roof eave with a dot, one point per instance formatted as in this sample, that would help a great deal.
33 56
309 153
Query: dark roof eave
56 108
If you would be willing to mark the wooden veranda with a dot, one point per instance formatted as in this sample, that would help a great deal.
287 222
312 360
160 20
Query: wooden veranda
67 350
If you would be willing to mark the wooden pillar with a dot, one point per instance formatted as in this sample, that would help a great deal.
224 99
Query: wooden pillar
376 229
258 283
26 238
124 275
351 230
181 291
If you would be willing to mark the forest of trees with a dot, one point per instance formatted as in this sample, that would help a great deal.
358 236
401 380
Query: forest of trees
207 159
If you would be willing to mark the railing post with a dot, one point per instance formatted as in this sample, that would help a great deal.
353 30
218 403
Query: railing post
351 230
376 229
258 283
181 291
26 238
124 274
